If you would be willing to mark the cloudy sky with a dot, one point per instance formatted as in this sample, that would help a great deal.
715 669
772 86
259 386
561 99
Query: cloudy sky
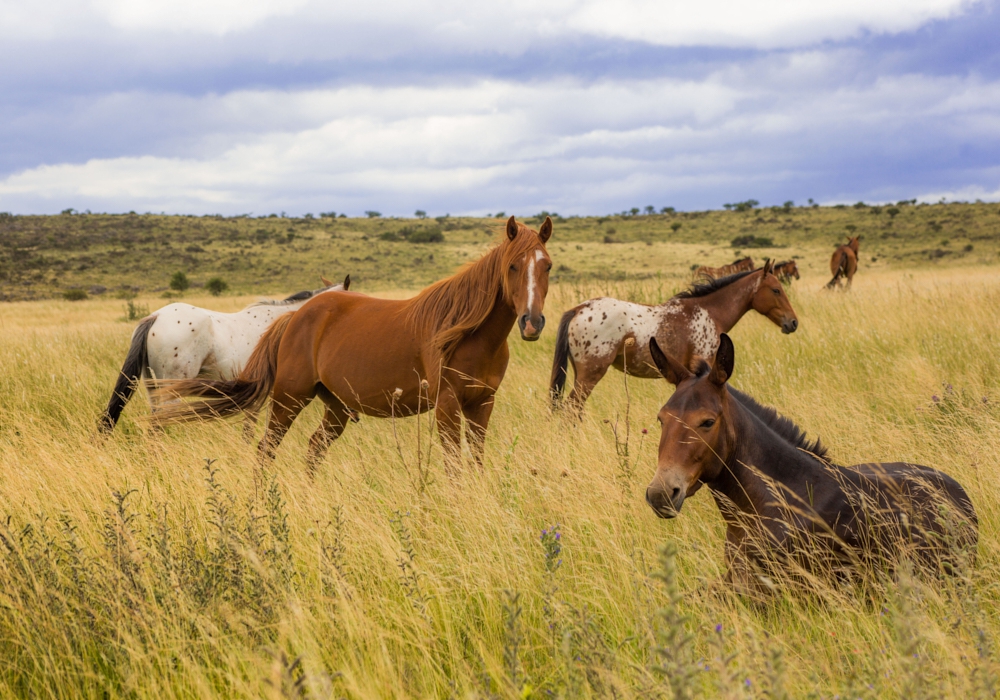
457 106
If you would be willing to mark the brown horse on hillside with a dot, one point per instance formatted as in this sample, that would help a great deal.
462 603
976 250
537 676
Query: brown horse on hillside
445 349
785 271
705 273
844 262
783 502
594 335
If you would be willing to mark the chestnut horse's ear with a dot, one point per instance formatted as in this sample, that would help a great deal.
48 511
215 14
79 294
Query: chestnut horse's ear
672 370
545 230
347 283
511 228
325 281
725 357
768 266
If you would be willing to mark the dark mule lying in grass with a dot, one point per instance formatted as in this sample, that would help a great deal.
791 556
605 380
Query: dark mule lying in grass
181 341
595 335
705 273
844 262
446 349
785 271
780 497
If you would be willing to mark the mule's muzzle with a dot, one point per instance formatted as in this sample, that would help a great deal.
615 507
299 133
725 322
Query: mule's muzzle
665 505
789 325
531 328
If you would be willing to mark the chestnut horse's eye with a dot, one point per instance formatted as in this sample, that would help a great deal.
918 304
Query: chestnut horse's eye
707 423
513 268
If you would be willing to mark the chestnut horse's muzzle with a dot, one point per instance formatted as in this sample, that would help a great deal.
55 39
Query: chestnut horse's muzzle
789 325
531 328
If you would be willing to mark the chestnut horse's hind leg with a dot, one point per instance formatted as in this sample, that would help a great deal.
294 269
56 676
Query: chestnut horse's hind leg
287 403
333 424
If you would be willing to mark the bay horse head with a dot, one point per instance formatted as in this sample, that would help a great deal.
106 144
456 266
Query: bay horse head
695 434
527 278
770 300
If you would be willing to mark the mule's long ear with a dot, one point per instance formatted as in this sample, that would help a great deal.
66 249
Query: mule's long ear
725 357
347 283
545 230
672 370
511 228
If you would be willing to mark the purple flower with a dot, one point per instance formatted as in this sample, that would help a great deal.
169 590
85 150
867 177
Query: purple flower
718 628
935 398
558 535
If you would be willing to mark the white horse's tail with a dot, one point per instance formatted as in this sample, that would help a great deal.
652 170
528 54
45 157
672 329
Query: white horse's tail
136 362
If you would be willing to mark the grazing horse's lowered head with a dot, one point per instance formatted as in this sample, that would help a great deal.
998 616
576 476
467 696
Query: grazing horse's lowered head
526 281
694 438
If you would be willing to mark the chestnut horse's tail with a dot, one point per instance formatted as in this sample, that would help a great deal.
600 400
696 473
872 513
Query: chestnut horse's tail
224 398
136 362
841 269
561 360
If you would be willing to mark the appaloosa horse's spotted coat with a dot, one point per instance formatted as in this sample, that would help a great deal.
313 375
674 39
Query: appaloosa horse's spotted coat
594 335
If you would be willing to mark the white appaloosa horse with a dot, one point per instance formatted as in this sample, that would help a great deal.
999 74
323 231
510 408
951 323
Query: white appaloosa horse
594 335
181 341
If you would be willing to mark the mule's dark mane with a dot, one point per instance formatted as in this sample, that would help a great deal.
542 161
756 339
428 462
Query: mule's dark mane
784 427
701 289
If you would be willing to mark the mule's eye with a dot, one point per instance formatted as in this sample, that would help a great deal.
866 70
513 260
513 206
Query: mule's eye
708 423
776 291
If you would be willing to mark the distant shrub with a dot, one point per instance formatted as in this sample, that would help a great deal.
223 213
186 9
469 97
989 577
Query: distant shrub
752 242
860 205
787 206
633 211
650 209
328 215
667 210
746 205
216 286
194 249
389 236
179 282
371 214
133 311
74 295
420 214
426 235
500 215
307 216
892 212
675 227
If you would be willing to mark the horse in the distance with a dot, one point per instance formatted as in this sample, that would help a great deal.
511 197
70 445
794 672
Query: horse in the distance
181 341
445 349
786 270
705 273
844 262
595 335
786 507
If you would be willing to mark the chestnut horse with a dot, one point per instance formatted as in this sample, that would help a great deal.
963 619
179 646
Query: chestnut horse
785 271
714 273
593 336
844 262
782 501
445 348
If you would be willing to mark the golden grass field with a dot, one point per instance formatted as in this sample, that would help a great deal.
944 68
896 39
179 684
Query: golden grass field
372 581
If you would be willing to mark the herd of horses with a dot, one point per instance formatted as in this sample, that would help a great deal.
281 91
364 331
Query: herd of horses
445 350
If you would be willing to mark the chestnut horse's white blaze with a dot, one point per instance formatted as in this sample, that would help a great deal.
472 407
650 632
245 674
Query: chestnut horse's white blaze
595 335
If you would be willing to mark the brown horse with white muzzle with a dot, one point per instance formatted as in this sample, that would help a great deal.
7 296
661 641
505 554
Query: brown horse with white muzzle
594 335
446 348
782 500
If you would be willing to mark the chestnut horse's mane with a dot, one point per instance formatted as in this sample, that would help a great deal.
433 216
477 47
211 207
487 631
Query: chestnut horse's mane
704 288
452 308
784 427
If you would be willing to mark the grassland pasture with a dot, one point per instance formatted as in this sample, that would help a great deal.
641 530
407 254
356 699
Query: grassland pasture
130 568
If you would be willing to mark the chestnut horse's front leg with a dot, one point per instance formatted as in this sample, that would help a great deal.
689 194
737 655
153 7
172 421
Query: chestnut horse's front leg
477 419
448 414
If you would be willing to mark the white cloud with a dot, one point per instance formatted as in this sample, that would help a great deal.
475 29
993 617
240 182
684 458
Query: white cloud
380 27
492 144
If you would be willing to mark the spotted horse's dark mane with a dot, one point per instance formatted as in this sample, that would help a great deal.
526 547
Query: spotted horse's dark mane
701 289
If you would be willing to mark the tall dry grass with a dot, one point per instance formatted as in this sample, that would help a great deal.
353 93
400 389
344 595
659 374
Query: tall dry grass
164 565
